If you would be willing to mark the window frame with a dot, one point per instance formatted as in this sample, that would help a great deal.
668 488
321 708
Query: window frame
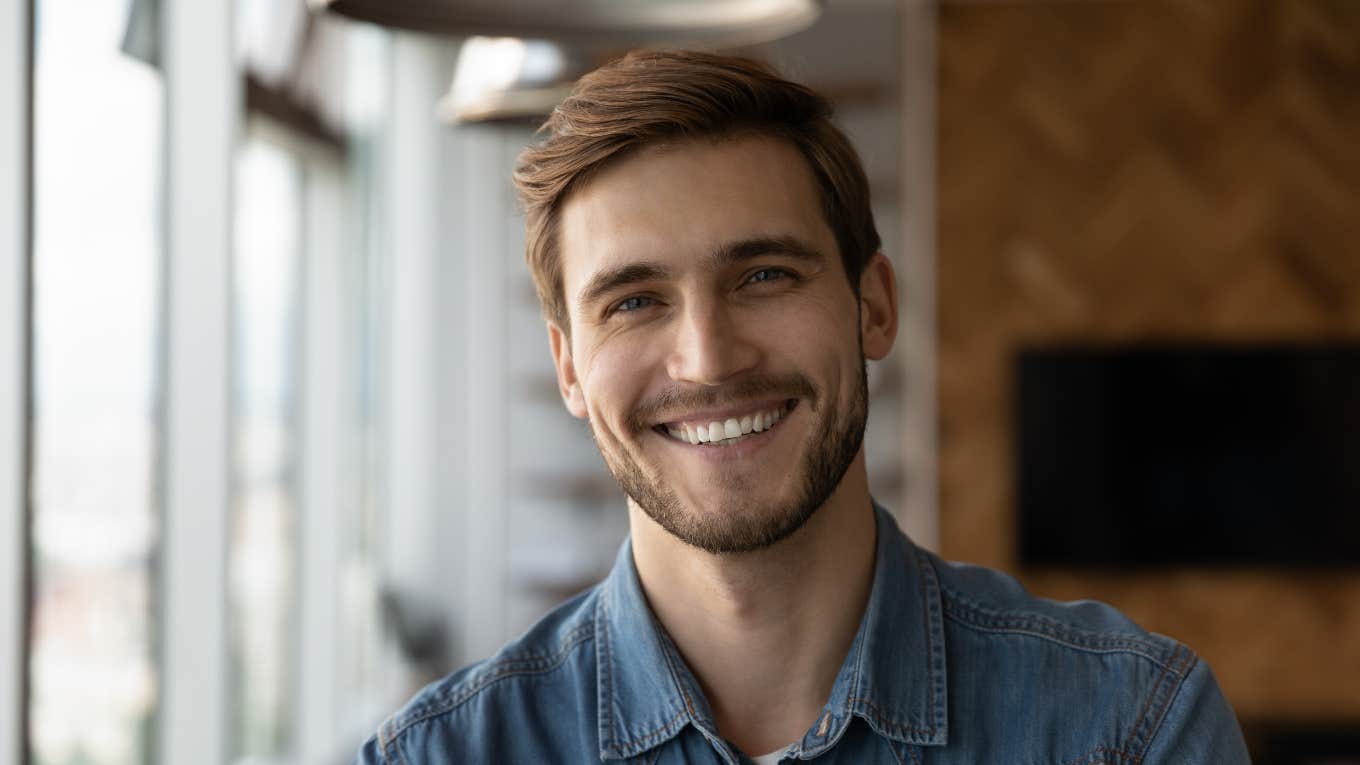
203 111
16 78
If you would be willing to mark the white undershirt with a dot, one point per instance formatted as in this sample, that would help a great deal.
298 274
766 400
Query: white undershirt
770 759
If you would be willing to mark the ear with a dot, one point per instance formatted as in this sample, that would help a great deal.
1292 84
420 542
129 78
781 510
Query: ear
877 307
567 383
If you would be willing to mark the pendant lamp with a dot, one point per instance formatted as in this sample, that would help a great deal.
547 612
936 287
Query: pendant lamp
593 23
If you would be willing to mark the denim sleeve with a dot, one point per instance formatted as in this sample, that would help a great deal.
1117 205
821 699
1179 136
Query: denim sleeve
1200 727
371 754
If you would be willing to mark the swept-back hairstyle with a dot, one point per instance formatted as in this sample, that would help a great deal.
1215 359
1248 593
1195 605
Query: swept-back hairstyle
652 96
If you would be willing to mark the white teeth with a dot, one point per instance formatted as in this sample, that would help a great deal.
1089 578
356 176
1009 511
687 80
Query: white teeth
725 430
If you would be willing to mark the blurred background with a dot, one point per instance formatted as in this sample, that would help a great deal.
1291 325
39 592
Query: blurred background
279 435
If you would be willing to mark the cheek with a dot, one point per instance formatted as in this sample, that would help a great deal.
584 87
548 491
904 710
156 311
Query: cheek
614 380
822 341
817 330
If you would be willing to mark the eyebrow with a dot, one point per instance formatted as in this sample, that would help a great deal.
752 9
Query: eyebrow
741 250
608 280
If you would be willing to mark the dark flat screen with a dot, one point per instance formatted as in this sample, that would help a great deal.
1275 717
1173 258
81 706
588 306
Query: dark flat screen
1189 455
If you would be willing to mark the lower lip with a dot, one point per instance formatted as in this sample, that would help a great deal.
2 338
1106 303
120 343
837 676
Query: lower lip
740 450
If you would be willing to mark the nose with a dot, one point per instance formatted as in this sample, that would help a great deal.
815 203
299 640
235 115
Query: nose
710 346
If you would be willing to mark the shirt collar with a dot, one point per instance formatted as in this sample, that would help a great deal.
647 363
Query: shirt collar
645 692
893 676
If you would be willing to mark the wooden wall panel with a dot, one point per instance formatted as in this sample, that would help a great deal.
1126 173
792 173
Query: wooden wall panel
1113 172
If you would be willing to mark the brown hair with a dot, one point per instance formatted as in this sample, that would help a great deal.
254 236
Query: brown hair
648 96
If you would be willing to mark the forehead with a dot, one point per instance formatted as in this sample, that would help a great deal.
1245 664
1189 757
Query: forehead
673 203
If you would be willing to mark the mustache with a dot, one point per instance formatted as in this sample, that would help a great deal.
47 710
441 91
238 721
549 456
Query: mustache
672 403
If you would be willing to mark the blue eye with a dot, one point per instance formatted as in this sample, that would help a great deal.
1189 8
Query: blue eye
633 303
767 275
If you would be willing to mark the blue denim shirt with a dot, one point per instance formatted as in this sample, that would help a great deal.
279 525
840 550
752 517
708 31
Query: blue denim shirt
951 664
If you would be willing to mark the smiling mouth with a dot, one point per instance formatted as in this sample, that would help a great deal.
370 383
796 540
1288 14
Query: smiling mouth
729 431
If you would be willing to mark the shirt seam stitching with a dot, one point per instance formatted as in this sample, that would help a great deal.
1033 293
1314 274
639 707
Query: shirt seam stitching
656 734
1131 650
645 740
383 742
605 642
1178 677
684 693
924 578
921 564
959 610
401 756
1147 705
500 671
882 720
675 678
897 758
392 744
859 675
968 607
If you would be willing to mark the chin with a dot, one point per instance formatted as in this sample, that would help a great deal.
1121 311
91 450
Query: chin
728 492
727 522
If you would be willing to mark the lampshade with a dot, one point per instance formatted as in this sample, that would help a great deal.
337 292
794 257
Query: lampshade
593 23
506 79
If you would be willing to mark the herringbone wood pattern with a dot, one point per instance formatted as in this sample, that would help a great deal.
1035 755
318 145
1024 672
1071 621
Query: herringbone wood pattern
1116 171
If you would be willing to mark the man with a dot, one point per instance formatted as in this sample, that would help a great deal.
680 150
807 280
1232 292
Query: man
702 243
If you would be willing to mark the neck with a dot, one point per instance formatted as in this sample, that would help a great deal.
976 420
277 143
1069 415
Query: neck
766 632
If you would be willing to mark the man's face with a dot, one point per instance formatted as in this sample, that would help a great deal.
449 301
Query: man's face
715 345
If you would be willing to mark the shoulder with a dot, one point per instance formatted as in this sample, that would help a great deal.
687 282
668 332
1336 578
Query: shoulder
1102 687
990 602
474 711
549 647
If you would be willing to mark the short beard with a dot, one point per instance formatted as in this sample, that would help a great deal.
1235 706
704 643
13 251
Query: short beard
748 528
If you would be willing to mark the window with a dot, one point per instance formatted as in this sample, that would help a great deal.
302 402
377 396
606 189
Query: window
97 259
309 665
263 560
